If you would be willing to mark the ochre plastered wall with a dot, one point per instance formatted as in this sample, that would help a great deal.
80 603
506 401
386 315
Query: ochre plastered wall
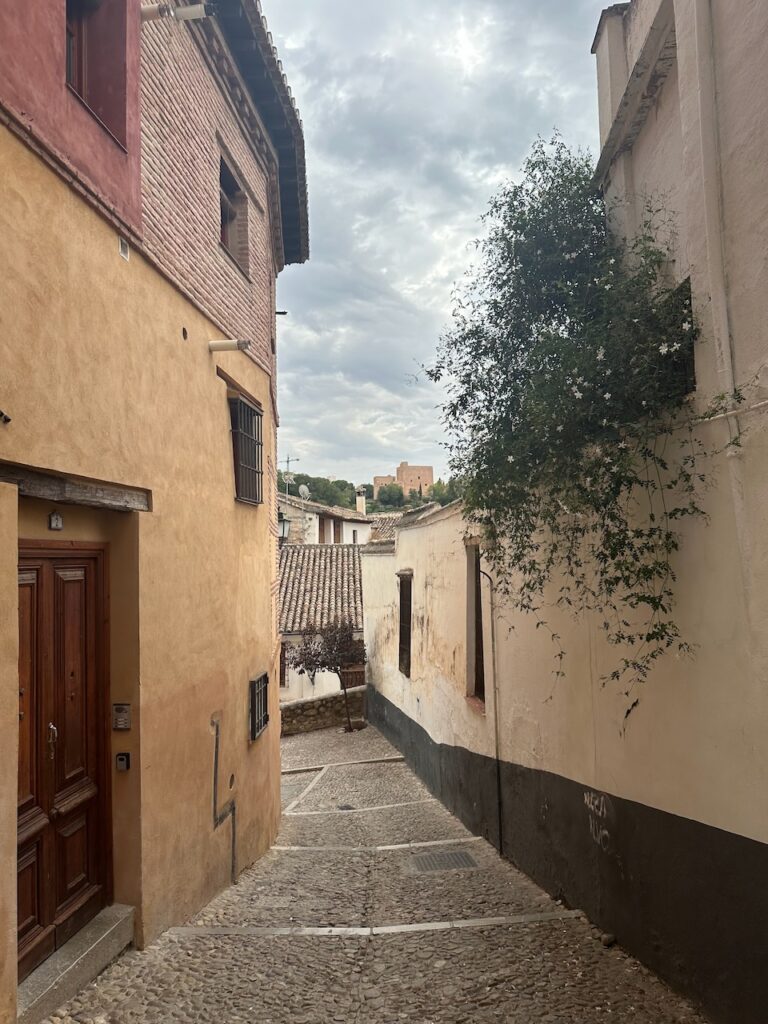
9 731
100 382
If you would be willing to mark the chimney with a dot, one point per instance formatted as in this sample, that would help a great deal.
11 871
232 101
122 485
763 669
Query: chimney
361 502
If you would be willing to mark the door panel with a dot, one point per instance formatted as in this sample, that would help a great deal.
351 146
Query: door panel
63 826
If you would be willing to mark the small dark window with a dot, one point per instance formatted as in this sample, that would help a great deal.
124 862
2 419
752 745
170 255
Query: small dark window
258 703
406 592
283 672
354 536
475 653
234 216
247 449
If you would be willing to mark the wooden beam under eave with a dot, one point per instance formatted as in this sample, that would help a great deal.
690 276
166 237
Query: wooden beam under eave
67 490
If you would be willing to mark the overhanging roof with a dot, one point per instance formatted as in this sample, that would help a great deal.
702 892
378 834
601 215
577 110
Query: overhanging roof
250 42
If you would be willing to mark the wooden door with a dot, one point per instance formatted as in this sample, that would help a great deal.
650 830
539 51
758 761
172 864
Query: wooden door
337 531
63 848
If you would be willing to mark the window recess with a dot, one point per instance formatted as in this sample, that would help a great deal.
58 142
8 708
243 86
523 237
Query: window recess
247 449
95 60
258 706
406 616
234 216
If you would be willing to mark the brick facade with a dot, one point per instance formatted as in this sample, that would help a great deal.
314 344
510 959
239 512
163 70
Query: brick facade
182 145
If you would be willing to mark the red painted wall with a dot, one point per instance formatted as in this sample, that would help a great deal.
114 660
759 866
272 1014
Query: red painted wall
33 89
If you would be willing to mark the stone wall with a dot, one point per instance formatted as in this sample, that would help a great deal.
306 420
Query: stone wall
321 712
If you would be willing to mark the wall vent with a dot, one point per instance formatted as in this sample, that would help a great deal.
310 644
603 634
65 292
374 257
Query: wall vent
123 247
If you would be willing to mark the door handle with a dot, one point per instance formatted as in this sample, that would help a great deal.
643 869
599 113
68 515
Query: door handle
53 736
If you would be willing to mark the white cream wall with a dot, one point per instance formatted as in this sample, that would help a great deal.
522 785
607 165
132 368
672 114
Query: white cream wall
299 687
435 694
363 533
694 745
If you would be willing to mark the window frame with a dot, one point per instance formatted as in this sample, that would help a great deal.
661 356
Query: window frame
233 198
258 706
475 626
405 622
75 49
239 406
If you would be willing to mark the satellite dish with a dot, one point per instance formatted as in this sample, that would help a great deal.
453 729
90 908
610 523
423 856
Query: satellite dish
303 491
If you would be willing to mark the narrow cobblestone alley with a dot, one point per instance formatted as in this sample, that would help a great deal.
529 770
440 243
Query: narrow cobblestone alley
376 907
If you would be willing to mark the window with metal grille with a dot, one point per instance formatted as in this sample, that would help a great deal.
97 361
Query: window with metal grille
247 449
406 591
258 702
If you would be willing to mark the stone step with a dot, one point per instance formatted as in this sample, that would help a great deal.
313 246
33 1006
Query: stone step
78 962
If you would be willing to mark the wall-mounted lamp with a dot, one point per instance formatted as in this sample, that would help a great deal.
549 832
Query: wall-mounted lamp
229 345
193 12
281 312
283 526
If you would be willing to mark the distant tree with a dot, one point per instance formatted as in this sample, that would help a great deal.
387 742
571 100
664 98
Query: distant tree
391 496
416 498
321 489
331 648
368 491
445 493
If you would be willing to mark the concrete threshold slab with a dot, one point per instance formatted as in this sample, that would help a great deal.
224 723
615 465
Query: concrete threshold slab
376 849
193 931
396 759
79 961
358 810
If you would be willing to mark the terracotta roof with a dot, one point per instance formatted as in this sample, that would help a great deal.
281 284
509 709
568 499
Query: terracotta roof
334 511
383 526
318 583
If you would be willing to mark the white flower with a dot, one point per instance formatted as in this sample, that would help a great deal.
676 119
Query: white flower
560 429
605 423
676 346
577 393
607 396
510 458
608 373
664 348
687 325
622 444
611 261
600 355
608 287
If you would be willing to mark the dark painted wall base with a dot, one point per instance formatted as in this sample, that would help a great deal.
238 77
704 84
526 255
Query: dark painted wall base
689 900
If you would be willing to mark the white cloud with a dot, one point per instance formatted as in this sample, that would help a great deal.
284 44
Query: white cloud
413 114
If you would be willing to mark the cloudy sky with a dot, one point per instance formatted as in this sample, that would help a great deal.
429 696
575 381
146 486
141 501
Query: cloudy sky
414 112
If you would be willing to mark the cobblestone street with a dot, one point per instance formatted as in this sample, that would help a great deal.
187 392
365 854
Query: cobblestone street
376 907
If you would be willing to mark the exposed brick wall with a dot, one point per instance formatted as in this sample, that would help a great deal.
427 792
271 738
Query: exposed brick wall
189 123
321 712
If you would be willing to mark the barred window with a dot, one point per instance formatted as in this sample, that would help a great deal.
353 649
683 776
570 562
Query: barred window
258 703
247 450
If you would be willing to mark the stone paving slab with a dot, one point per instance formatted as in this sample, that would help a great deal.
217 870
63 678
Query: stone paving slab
284 888
334 746
553 972
377 785
294 785
494 889
413 824
545 968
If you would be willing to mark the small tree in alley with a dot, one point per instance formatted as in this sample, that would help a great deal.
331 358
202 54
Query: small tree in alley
329 648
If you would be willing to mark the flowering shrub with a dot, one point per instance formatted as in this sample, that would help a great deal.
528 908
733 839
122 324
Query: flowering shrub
568 370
